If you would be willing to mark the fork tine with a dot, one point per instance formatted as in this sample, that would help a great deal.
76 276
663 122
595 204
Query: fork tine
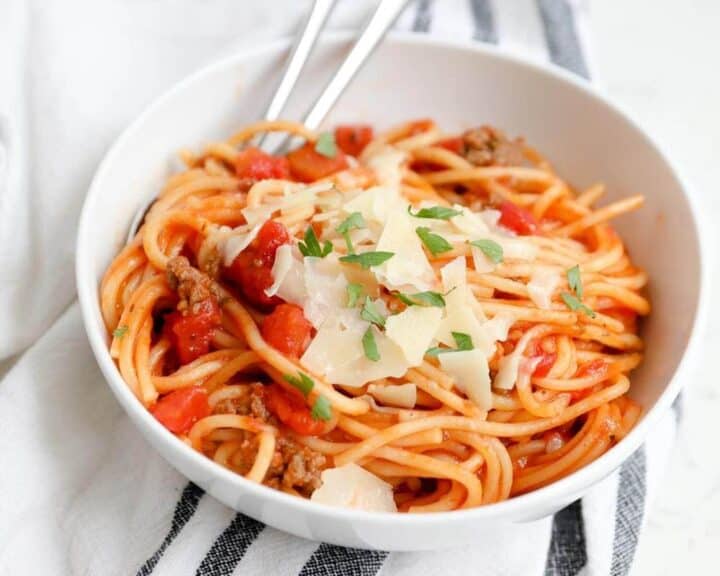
299 53
374 31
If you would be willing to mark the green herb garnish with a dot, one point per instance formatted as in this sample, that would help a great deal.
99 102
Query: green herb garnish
490 248
435 350
370 313
321 409
367 259
436 213
354 292
433 242
574 304
574 280
325 145
311 246
462 341
120 331
355 220
422 299
302 382
370 346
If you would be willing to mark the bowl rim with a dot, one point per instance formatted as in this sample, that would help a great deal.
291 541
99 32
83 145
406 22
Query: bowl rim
572 485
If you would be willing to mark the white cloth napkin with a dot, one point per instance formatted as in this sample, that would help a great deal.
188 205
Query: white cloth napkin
81 492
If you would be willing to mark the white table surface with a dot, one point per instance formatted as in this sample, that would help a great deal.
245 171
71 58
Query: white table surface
659 59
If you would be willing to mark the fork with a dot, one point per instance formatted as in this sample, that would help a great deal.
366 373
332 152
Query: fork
385 14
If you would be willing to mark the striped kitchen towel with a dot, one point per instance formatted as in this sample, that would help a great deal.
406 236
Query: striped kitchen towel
82 492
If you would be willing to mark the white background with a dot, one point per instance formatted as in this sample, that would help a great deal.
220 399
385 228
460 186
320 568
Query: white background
659 58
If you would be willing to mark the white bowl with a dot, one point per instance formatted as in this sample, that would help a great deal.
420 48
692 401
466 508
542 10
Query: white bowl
586 137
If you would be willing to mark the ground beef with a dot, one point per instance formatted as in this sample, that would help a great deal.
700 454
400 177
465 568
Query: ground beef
488 146
250 403
212 263
193 287
293 466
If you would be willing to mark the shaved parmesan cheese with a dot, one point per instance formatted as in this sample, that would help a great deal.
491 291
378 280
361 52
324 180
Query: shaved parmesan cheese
326 288
470 223
387 164
241 237
294 195
337 352
490 216
453 274
375 203
258 214
413 331
400 395
461 310
515 248
336 345
507 373
409 269
469 369
481 263
351 486
542 285
282 265
498 326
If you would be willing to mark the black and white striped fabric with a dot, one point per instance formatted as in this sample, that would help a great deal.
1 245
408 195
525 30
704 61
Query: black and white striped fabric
86 495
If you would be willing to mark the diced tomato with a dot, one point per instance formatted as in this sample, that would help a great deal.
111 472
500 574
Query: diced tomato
517 219
286 329
453 144
271 236
190 333
307 165
180 409
255 164
352 138
252 269
547 359
253 278
291 410
597 367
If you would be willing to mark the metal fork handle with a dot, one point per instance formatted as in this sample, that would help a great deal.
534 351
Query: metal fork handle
300 52
384 16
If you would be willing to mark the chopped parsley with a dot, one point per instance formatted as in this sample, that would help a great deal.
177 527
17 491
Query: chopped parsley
325 145
462 341
354 293
355 220
369 345
574 280
433 242
428 298
367 259
311 246
370 313
120 331
302 382
321 409
436 213
574 303
490 248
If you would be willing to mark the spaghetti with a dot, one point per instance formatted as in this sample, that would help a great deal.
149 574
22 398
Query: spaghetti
410 321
